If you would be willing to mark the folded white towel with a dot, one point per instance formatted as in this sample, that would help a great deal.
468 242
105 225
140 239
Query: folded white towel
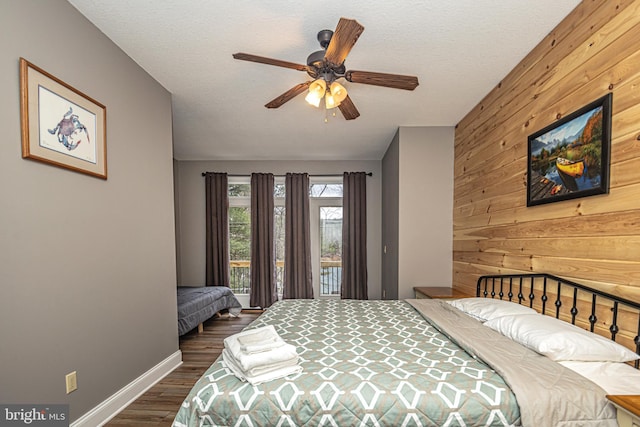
248 361
259 348
258 379
259 339
262 369
259 336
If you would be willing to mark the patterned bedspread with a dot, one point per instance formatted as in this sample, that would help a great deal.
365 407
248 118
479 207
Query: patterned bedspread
364 363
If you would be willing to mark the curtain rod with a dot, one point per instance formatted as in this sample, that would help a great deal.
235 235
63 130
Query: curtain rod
282 176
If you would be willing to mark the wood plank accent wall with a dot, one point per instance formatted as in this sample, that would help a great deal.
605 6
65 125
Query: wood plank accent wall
593 240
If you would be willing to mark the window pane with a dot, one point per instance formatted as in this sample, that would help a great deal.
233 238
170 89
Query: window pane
239 249
278 237
239 190
278 190
330 250
325 190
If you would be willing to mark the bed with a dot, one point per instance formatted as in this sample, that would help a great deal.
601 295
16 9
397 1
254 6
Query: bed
413 362
197 304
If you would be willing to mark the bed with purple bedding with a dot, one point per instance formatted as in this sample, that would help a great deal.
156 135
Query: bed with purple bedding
197 304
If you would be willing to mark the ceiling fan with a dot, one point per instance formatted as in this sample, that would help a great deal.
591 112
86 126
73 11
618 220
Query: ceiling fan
327 65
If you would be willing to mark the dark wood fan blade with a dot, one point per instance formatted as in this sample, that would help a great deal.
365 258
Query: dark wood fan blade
395 81
343 39
269 61
288 95
348 110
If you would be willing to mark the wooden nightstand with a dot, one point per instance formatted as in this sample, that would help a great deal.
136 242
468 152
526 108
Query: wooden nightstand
628 407
438 292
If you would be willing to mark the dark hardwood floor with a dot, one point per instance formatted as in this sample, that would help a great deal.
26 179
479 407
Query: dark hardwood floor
159 405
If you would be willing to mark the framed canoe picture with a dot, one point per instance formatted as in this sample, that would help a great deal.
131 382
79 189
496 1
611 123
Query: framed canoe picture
570 158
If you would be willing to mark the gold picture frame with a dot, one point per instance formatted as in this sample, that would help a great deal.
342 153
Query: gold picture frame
61 126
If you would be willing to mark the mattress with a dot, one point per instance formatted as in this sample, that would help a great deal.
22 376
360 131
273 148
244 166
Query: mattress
364 362
197 304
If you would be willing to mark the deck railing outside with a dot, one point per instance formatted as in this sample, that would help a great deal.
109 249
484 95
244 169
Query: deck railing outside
330 276
239 272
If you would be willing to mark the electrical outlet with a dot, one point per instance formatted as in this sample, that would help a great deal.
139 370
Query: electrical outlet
72 381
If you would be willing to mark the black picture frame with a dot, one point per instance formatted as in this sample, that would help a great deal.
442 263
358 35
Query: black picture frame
570 158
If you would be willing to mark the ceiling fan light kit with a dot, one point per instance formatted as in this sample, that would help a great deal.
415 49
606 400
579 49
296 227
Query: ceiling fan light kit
317 90
326 66
335 95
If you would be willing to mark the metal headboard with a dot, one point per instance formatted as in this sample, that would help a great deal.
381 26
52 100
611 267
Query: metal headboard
510 286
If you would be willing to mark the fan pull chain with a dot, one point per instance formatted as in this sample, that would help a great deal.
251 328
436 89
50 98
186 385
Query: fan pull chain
326 114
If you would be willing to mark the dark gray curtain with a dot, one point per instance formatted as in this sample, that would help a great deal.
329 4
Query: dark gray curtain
263 277
297 245
354 236
217 230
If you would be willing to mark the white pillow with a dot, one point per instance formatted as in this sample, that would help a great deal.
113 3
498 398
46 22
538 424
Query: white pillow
560 340
484 309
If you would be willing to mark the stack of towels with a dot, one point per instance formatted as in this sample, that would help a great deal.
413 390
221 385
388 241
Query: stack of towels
260 355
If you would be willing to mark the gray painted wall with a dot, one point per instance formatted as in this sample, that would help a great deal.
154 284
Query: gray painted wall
418 228
426 208
87 266
191 208
390 218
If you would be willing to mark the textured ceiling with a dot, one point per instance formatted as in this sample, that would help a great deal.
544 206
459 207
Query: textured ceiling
458 49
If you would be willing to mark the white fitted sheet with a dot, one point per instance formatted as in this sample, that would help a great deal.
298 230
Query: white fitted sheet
613 377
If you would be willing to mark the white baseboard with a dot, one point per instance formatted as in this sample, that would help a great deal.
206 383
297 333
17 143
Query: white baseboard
108 409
